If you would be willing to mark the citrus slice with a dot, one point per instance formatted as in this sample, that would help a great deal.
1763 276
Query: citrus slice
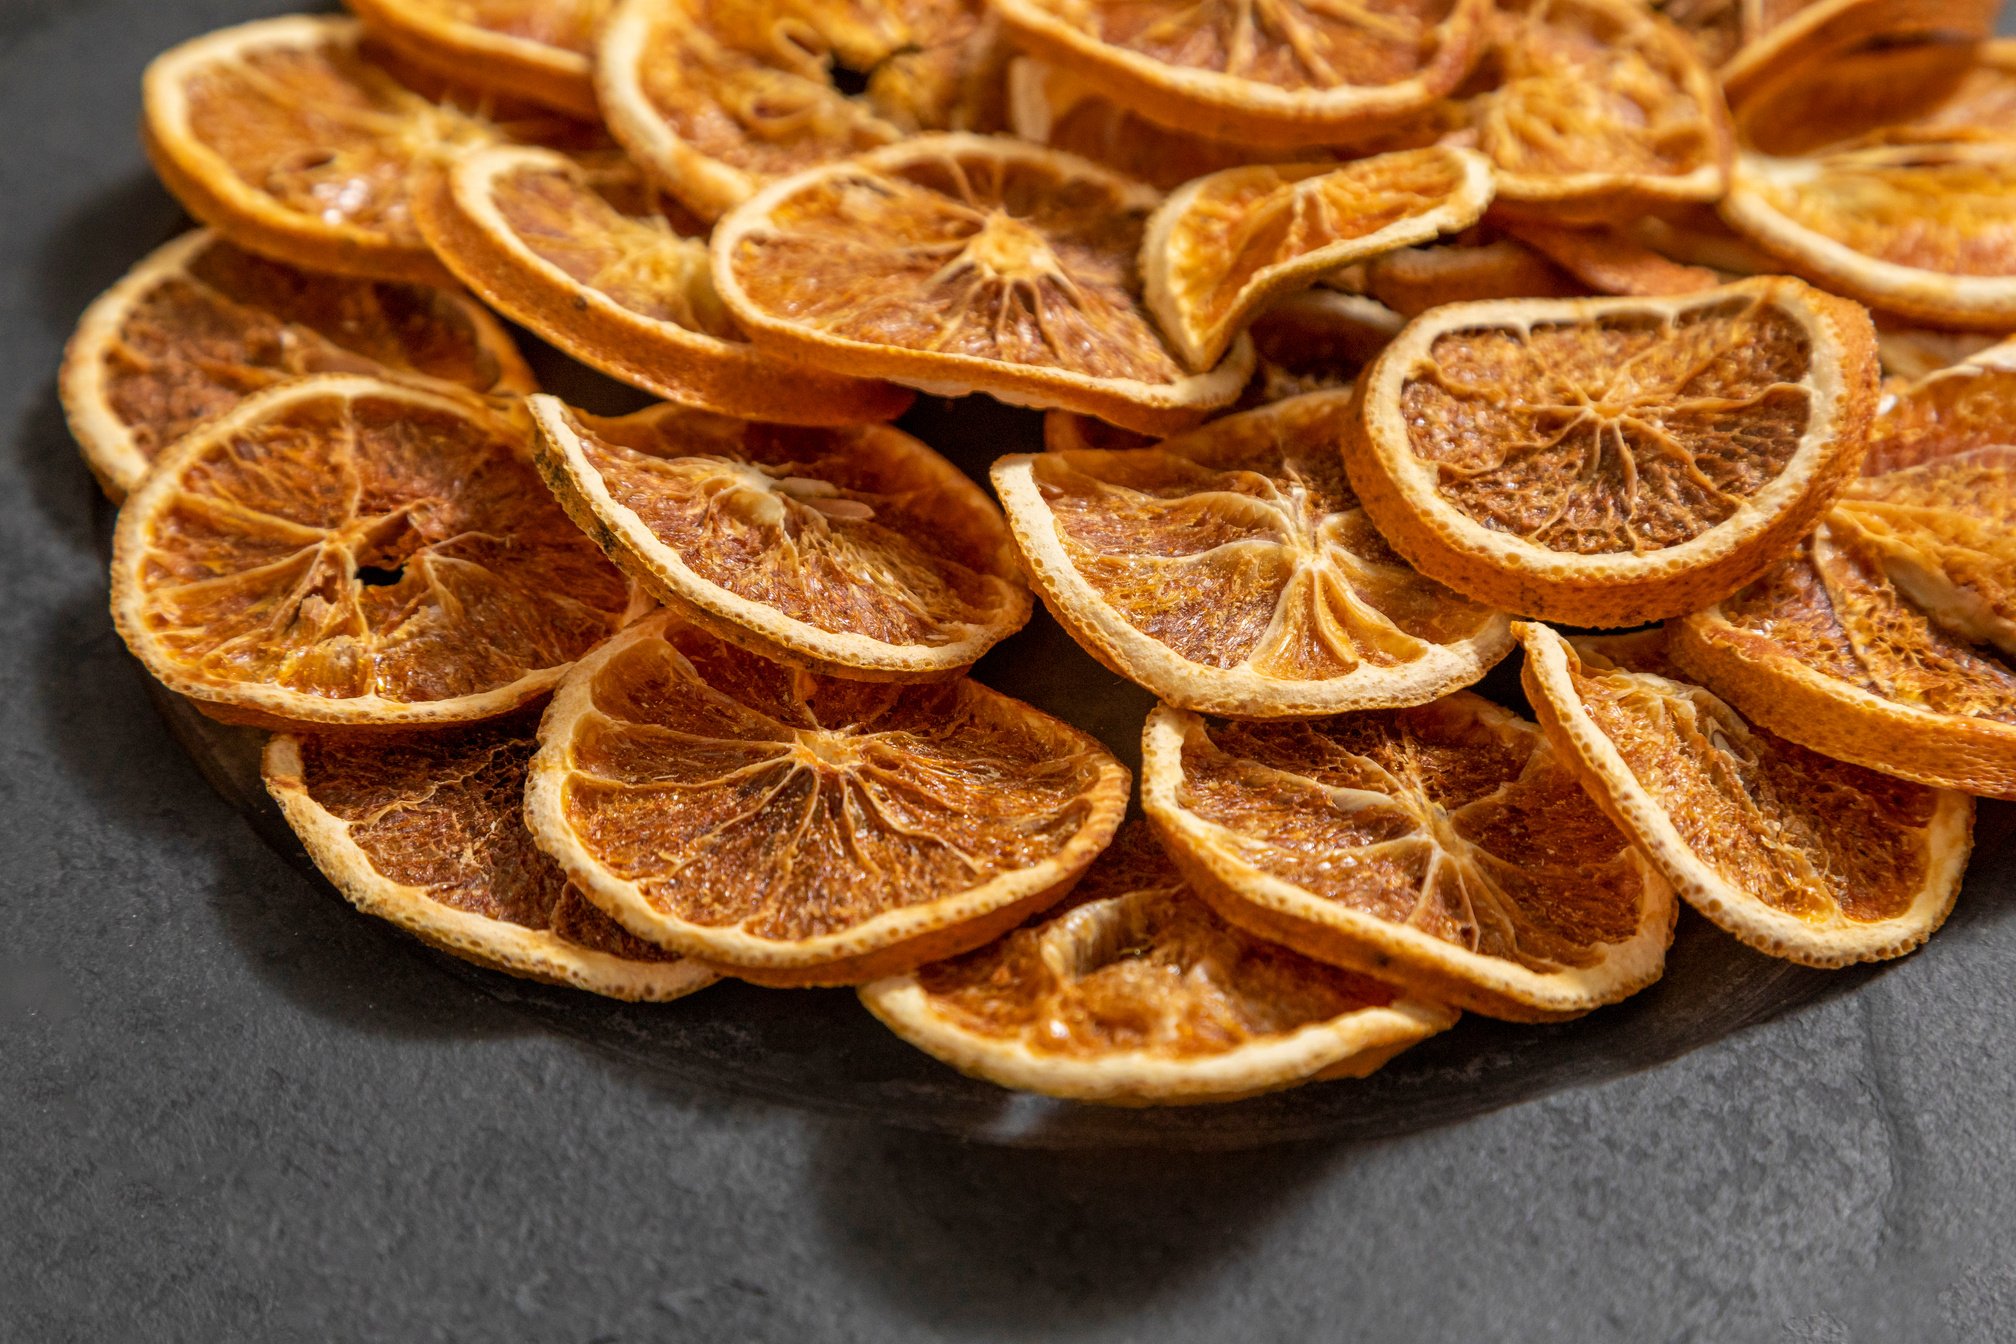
1912 352
536 49
1756 41
1799 856
1411 280
1698 236
427 830
340 549
1444 848
1609 261
1316 340
1133 992
1852 93
1614 461
199 324
797 830
1286 71
602 273
964 263
1232 570
716 100
1223 246
854 552
1597 111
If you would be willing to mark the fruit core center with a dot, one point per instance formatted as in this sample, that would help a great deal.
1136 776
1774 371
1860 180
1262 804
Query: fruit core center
835 751
766 500
1011 249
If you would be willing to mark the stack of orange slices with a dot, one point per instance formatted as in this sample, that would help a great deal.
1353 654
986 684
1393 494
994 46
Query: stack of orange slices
1372 342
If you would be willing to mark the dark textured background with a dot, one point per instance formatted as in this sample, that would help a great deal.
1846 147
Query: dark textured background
231 1110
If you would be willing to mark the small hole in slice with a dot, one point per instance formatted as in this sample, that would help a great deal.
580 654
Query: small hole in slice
371 576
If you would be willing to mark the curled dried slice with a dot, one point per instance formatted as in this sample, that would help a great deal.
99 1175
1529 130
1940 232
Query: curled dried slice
1133 992
1232 570
1444 848
1912 352
964 263
1754 42
1610 261
344 550
1316 340
796 830
1223 246
535 49
599 270
199 324
1614 461
1411 280
854 552
1797 855
427 830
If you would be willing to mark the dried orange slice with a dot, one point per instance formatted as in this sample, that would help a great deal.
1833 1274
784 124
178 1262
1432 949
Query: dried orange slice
1912 352
795 829
1316 340
341 549
854 552
1799 856
427 830
199 324
1135 993
1223 246
1850 94
716 100
537 49
1697 236
1614 461
1443 848
1755 41
1411 280
1609 261
602 273
1232 570
964 263
1287 72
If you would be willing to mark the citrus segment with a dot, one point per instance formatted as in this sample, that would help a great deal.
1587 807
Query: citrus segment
537 49
427 830
1614 461
1444 848
1133 992
339 549
795 829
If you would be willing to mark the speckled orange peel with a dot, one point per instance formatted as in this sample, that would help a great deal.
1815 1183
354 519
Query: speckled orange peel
1801 857
426 831
1443 848
792 829
1132 992
852 552
536 49
1607 462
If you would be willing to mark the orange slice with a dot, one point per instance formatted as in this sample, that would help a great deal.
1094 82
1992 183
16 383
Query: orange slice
602 273
1757 41
537 49
1799 856
962 263
1411 280
199 324
1852 93
340 549
1697 236
1912 352
797 830
1287 72
1444 848
1232 570
1609 261
427 830
1134 993
1614 461
1317 340
1223 246
855 552
716 100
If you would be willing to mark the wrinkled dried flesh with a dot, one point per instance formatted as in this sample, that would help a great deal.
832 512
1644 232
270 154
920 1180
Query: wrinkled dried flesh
1624 434
1716 26
1136 963
1437 819
1944 206
443 811
735 792
981 257
567 24
1127 142
1241 545
363 546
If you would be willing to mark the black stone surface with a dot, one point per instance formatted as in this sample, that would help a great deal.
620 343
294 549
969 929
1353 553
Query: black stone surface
230 1109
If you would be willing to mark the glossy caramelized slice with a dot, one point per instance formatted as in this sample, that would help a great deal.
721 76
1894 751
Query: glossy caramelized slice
1800 856
427 830
1133 992
537 49
797 829
344 550
1443 848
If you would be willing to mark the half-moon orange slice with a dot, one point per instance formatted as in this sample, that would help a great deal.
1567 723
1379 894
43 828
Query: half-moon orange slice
536 49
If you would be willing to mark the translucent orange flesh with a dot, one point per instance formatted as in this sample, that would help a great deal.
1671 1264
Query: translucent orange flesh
1944 205
443 811
1453 820
846 530
1242 545
735 792
354 546
1621 434
1135 962
567 24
